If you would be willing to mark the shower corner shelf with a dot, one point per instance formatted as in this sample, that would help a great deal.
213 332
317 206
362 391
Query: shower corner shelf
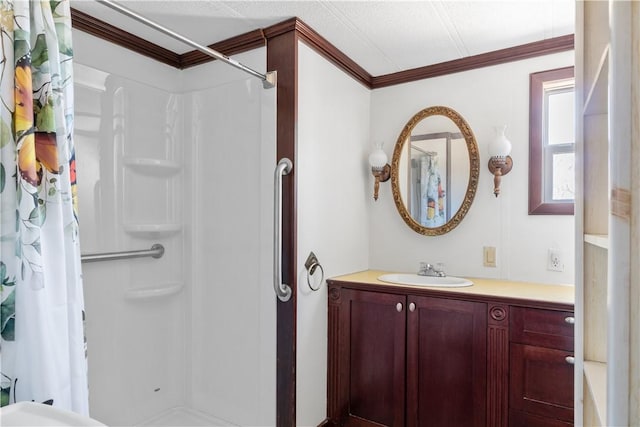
152 230
159 291
152 167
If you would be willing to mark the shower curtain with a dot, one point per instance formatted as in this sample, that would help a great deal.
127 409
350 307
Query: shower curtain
427 191
42 341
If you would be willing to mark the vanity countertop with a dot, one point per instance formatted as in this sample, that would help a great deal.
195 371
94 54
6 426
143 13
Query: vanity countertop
513 290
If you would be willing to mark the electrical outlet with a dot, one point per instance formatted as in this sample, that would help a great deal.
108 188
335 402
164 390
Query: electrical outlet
555 262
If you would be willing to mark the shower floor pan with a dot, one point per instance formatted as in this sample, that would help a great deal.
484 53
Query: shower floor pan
184 417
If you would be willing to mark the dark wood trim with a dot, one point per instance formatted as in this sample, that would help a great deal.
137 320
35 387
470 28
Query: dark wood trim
326 422
333 363
282 57
280 28
498 365
314 40
516 53
234 45
309 36
98 28
537 205
333 54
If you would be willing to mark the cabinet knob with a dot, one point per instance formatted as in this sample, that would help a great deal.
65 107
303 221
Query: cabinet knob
399 307
412 307
570 360
570 320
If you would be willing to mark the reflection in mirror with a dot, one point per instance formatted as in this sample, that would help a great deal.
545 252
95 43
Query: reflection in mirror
435 170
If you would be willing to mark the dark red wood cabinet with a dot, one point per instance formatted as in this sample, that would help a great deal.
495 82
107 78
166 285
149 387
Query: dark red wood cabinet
406 357
409 360
446 362
372 335
541 368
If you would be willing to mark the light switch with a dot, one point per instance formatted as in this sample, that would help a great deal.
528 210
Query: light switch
489 256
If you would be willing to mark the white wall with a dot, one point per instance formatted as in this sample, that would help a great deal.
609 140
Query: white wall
485 97
333 190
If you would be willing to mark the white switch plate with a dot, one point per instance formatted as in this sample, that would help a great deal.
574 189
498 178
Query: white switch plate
555 262
489 256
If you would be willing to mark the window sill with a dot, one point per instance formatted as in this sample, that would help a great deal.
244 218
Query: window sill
538 208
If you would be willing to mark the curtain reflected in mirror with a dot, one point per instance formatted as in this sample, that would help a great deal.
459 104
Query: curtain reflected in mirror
433 195
434 170
427 194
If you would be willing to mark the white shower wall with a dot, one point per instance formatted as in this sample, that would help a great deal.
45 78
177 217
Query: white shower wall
185 159
232 130
135 308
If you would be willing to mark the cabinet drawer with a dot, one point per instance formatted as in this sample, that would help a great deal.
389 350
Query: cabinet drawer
541 382
546 328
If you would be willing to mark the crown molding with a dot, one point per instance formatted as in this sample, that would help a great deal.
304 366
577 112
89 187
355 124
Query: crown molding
98 28
234 45
258 38
321 45
496 57
101 29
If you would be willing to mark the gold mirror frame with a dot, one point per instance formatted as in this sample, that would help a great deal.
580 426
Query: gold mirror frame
474 172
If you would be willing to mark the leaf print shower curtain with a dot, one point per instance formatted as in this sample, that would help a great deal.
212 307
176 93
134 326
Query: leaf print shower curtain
42 341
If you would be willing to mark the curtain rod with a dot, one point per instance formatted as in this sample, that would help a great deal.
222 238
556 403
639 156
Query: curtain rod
268 79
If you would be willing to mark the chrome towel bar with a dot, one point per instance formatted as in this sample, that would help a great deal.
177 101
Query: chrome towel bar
156 251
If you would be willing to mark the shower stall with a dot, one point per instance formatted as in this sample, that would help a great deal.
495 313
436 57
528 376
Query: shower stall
183 159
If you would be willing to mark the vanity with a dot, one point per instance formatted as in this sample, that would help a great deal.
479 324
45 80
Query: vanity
433 350
497 353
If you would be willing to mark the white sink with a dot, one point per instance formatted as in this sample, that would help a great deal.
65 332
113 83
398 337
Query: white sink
414 279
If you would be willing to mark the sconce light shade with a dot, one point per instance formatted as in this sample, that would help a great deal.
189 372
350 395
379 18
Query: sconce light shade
378 158
500 146
379 168
500 163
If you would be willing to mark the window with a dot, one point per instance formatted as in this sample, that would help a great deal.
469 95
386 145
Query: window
551 142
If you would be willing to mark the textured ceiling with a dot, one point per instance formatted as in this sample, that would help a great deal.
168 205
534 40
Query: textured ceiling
381 36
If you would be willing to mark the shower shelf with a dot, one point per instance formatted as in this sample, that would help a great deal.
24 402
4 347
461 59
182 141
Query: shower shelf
153 292
152 230
153 167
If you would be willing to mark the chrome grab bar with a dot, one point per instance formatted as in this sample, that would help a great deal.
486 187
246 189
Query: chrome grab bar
156 251
283 291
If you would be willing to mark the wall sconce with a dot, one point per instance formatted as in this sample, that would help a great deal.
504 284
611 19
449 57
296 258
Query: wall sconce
379 168
500 163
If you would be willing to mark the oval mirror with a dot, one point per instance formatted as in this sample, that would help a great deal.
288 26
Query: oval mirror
435 170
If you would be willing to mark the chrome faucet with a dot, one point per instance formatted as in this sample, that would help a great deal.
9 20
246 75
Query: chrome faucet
427 269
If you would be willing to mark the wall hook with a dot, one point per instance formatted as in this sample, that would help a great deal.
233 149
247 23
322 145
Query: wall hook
311 265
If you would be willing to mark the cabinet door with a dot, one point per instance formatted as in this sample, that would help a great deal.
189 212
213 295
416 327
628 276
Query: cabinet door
372 358
541 382
446 362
